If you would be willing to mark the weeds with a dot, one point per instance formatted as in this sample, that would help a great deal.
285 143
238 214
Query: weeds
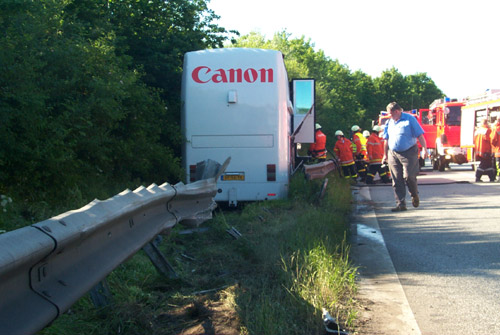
291 261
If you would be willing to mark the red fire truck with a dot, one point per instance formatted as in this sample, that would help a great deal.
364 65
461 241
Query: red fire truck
422 116
446 116
425 118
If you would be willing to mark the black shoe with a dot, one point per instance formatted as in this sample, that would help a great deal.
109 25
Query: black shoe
415 201
478 180
399 208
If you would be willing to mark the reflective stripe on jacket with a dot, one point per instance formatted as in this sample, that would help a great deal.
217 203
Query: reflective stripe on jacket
318 148
375 148
495 140
482 140
343 150
359 144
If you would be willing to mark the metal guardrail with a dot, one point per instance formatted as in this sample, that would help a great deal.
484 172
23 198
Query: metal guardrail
319 170
46 267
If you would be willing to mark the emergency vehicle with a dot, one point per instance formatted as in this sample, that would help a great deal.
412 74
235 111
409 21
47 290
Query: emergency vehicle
426 121
383 117
236 103
478 107
447 115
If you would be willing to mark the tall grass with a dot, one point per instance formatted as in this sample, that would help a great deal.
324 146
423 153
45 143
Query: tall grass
308 239
291 261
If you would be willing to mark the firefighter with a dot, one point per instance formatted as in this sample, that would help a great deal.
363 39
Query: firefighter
375 151
495 143
318 149
343 152
482 145
359 151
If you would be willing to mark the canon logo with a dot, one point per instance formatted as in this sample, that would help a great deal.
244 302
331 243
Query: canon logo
204 74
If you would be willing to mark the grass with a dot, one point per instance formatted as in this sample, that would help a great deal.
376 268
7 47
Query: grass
291 261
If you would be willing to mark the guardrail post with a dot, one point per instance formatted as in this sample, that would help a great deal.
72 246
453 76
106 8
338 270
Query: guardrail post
159 261
101 294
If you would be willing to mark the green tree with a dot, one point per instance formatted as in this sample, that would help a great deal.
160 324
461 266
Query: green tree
392 86
411 92
367 97
156 34
423 90
89 92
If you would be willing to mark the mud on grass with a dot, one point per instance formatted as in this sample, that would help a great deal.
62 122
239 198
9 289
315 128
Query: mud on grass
290 261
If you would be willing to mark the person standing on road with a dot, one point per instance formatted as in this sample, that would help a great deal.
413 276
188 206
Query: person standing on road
343 151
375 150
482 145
359 150
495 142
401 133
317 150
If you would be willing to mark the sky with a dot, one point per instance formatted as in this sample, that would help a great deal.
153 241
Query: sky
456 43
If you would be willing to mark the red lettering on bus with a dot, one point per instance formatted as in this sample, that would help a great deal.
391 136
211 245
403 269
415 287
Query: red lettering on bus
196 74
263 75
250 75
238 73
204 74
220 76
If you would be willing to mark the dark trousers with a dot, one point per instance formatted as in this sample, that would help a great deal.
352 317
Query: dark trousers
349 171
372 172
361 168
485 167
404 171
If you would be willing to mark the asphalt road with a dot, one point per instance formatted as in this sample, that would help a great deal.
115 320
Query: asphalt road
441 268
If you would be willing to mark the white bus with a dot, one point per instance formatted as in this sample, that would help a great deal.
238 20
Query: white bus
236 103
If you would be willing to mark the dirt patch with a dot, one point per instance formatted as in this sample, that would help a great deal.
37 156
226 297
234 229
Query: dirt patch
208 315
365 324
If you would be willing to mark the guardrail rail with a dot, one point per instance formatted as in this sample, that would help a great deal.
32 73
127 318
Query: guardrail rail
48 266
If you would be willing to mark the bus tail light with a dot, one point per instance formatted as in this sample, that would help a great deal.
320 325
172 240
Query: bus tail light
271 172
192 173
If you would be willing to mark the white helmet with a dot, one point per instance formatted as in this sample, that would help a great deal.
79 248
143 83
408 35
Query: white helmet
318 126
366 133
339 133
377 128
355 128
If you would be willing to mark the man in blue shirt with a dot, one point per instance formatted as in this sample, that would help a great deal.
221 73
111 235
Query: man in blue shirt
401 133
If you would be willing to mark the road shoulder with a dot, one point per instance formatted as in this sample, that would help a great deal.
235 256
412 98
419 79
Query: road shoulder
385 309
